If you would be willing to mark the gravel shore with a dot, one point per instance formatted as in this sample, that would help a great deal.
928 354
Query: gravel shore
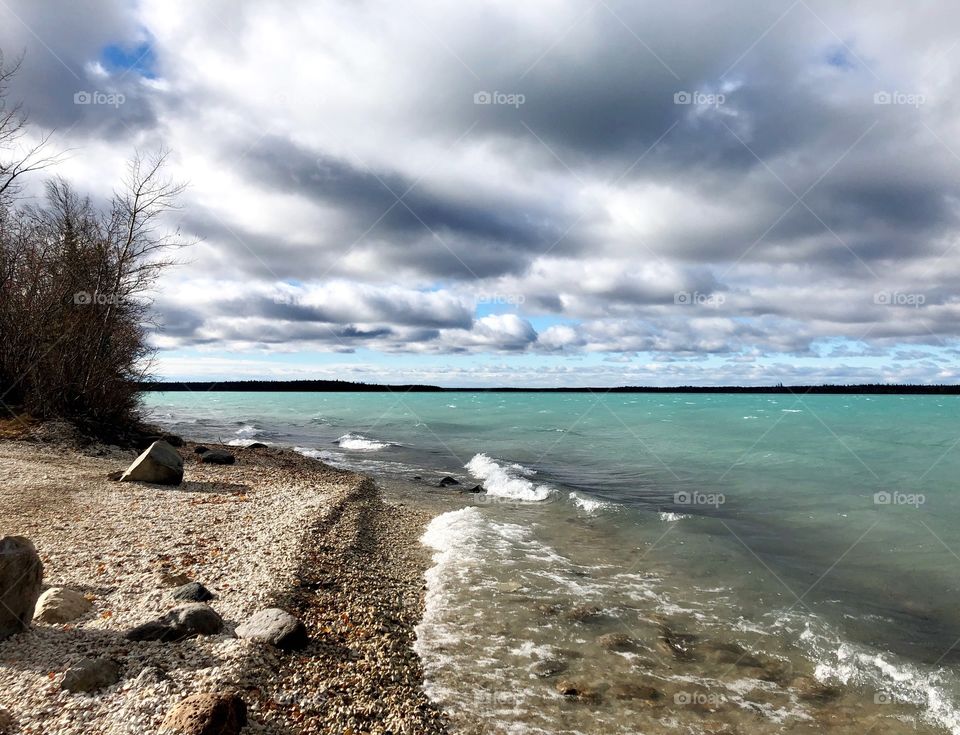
274 530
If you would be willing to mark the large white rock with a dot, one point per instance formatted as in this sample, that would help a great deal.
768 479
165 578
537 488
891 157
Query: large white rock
21 576
160 463
59 605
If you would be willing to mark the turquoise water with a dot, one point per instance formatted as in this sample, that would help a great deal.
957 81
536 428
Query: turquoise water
820 533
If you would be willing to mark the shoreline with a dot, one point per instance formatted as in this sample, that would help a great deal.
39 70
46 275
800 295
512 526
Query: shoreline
276 529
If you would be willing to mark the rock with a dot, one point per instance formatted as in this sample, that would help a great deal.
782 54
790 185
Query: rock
7 724
91 675
168 579
584 614
160 463
257 445
574 690
630 690
475 489
206 714
200 449
115 475
182 622
418 477
678 645
547 667
151 676
59 605
448 482
616 642
173 440
21 576
811 690
217 456
276 627
192 592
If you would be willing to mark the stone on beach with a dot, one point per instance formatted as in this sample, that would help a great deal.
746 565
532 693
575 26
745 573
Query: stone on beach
91 675
60 605
192 592
7 723
206 714
275 626
180 623
616 642
160 464
21 576
448 482
217 456
547 667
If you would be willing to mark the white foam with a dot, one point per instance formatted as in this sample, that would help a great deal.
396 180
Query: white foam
590 505
670 517
507 481
360 443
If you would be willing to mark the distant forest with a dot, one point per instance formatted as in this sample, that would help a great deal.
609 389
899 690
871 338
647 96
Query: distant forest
319 386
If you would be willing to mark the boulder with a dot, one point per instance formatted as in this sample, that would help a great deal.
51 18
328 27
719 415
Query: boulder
91 675
448 482
475 489
276 627
21 576
7 724
257 445
59 605
206 714
217 456
180 623
150 676
200 449
192 592
160 463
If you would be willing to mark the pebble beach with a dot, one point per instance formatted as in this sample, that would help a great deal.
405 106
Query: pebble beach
273 530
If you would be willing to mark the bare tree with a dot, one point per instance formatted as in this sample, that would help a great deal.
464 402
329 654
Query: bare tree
15 160
75 282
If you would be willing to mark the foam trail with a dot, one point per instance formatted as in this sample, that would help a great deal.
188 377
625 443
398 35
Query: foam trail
507 481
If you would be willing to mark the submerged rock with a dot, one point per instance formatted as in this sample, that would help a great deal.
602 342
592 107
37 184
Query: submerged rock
643 692
617 642
182 622
548 667
21 576
811 690
276 627
678 645
575 690
206 714
59 605
584 614
448 482
91 675
160 463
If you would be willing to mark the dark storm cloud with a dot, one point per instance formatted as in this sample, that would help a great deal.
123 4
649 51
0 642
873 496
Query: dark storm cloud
681 179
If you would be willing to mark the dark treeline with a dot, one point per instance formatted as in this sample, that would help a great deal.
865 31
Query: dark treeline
320 386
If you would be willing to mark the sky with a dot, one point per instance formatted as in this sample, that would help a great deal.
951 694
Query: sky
556 192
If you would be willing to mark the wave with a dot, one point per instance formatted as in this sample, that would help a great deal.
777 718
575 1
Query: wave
669 516
508 481
361 443
245 436
591 505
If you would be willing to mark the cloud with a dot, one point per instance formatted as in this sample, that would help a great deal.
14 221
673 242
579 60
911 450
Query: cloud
745 183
